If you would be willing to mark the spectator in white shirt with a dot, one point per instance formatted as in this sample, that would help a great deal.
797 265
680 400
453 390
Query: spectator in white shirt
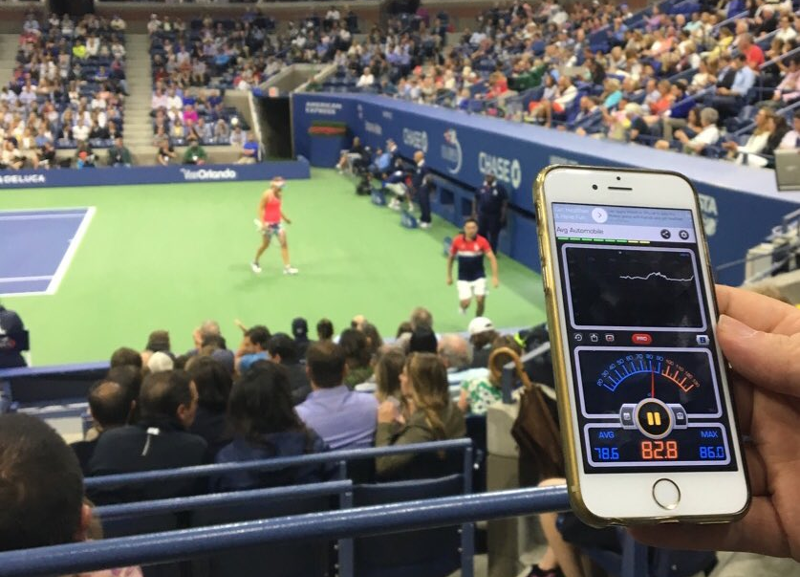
366 79
173 100
707 137
154 25
117 23
786 31
749 152
80 132
92 46
238 136
117 49
27 95
159 100
791 141
31 24
8 96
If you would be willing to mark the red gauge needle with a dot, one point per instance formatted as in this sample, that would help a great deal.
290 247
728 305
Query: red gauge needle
652 384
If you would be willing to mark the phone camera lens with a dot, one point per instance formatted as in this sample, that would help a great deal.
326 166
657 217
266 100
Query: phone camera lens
594 187
619 178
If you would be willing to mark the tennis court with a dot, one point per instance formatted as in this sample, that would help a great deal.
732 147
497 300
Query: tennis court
170 256
36 248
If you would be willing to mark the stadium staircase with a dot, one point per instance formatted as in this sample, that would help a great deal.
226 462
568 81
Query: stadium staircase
8 55
138 126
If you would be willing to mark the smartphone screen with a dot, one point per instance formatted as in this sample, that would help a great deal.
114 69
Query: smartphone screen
638 323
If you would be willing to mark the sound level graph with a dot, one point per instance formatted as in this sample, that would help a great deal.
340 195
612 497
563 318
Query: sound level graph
656 274
632 287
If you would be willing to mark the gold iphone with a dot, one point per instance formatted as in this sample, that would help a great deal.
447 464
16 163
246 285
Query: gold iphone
647 419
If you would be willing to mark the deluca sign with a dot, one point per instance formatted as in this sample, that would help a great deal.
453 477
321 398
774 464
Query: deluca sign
503 169
17 179
208 174
451 152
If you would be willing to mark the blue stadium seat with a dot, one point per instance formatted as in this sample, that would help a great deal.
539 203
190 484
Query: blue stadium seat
427 553
291 559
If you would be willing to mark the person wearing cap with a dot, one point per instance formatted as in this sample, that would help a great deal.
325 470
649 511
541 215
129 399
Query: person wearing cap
478 393
160 362
481 336
270 218
470 248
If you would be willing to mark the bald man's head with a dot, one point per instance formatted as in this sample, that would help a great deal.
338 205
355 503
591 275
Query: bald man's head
110 404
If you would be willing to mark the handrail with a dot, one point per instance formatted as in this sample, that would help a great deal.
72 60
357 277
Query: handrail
185 544
273 464
216 500
52 369
780 58
719 25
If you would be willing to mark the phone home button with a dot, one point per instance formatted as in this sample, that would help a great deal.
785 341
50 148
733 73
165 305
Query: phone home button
666 494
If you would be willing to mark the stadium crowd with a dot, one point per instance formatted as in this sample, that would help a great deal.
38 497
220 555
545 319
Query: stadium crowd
193 65
283 394
67 92
687 76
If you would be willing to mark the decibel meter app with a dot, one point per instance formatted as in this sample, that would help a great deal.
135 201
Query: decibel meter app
646 378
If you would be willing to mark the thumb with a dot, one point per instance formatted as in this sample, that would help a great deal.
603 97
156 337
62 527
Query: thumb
768 360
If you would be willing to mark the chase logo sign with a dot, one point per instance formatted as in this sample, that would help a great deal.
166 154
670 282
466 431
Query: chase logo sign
451 152
416 139
710 213
503 169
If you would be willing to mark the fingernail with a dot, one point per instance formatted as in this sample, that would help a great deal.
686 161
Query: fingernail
734 328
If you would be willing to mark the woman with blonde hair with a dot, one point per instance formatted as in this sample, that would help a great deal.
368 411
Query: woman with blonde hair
430 416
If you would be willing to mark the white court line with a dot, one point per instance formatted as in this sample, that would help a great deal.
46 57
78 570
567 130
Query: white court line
19 295
74 242
39 216
24 278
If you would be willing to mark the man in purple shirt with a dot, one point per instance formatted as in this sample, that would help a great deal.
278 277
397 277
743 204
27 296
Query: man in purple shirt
344 419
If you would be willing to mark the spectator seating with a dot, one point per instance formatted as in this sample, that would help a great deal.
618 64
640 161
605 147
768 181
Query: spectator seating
435 553
288 559
199 62
77 73
500 74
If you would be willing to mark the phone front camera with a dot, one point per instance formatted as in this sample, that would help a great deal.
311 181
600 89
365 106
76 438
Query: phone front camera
594 187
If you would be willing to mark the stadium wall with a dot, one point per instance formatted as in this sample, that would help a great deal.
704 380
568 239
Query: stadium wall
116 176
740 205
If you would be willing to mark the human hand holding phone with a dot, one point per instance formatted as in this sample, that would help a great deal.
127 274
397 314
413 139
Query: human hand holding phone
760 337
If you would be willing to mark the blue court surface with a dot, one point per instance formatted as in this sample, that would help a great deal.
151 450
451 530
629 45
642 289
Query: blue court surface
36 247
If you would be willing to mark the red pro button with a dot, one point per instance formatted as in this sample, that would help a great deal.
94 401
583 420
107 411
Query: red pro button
641 339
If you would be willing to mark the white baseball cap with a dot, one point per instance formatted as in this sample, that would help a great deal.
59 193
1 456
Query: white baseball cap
480 325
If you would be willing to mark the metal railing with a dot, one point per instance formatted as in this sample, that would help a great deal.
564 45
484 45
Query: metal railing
186 544
340 457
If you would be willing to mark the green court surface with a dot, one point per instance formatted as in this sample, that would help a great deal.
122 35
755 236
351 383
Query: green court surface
169 256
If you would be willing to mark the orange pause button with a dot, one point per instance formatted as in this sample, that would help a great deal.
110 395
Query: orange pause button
653 418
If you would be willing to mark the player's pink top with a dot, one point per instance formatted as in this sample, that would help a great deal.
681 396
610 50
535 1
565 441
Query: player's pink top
272 211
